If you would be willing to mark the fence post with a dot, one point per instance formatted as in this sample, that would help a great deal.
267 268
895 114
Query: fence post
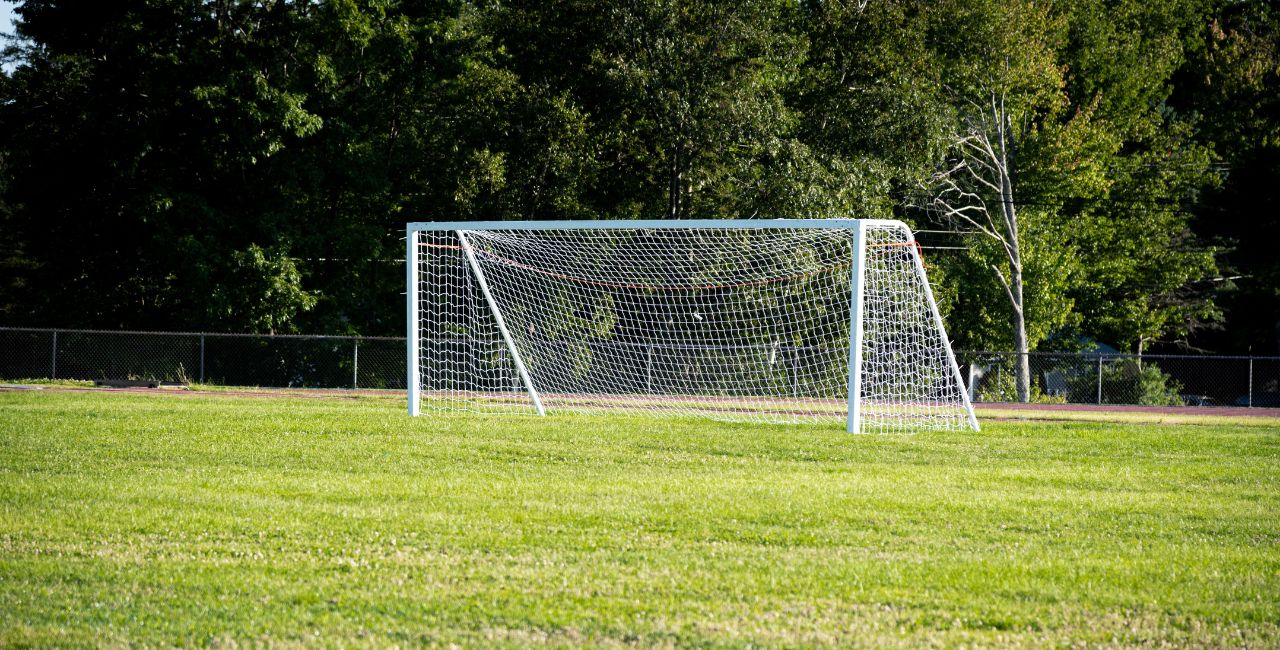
1099 377
202 357
1249 401
795 373
355 363
648 369
53 364
973 395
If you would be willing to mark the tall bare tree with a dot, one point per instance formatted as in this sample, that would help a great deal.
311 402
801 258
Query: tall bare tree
975 190
1001 75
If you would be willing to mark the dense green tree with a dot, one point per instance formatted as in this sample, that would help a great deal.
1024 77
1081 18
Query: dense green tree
250 164
684 104
140 135
870 99
1230 81
1147 273
1066 164
1000 71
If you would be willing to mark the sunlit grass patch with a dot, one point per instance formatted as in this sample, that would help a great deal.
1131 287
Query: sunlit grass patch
147 520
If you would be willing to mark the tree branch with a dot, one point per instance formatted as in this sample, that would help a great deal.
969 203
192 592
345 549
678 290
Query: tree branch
1007 291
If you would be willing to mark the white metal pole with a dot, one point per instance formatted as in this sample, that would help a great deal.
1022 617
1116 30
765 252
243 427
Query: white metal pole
1099 397
942 331
857 275
1249 401
412 342
501 323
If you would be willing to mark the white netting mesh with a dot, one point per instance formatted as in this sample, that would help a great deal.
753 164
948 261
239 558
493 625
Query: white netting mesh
735 323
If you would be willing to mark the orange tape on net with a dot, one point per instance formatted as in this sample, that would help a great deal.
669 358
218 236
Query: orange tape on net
614 285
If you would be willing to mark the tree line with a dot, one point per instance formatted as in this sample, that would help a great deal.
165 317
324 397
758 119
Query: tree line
1089 170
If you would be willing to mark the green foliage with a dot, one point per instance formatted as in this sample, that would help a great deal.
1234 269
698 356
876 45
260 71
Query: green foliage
870 89
1155 388
1050 268
1099 168
258 288
1003 389
146 147
1229 81
1127 381
1146 270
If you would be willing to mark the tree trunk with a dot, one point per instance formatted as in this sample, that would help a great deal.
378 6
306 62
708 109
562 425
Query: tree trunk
1013 248
674 188
1022 371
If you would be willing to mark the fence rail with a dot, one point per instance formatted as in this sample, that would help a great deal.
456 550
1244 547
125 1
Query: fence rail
1109 378
303 361
280 361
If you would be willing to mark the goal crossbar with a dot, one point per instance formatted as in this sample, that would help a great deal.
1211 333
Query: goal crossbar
649 224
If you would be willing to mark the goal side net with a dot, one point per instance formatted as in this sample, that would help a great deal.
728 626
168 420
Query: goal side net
774 321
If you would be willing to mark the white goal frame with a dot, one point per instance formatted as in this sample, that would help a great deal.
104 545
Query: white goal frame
855 227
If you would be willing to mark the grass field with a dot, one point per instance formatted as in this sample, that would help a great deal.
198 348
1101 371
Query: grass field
160 520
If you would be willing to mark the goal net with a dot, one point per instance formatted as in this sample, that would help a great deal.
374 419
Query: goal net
777 321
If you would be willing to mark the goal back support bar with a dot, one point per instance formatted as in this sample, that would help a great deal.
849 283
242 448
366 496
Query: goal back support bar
462 249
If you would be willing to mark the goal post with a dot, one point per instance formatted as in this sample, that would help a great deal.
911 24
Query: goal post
783 320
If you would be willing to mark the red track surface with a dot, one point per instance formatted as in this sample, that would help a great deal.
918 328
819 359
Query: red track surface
1233 411
319 393
313 393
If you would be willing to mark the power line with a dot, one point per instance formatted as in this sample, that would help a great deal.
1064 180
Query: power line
1164 205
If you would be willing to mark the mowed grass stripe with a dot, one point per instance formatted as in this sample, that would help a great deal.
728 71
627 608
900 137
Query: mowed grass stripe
136 519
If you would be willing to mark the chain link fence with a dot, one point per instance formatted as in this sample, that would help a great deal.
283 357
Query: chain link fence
1150 379
293 361
279 361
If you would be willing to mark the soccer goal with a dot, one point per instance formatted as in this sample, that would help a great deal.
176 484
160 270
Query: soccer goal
785 320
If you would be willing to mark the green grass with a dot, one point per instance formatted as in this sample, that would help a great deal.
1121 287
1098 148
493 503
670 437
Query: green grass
223 519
